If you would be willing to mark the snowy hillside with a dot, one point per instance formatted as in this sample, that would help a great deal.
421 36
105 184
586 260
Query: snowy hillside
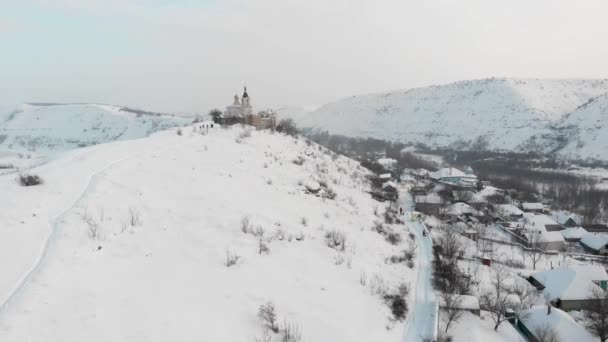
589 127
40 130
506 114
128 241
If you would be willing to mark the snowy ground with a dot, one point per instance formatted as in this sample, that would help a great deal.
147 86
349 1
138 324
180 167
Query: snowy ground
165 278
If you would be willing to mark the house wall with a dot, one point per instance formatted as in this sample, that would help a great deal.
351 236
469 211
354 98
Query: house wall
570 305
428 208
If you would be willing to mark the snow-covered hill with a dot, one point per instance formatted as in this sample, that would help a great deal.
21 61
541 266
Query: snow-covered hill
40 130
77 266
505 114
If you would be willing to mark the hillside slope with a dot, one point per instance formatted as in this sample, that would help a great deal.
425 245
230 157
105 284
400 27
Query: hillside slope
505 114
40 130
164 278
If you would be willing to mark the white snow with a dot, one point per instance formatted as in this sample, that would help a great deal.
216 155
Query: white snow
166 279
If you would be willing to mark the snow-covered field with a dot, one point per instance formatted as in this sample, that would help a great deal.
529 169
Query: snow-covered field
76 266
504 114
32 134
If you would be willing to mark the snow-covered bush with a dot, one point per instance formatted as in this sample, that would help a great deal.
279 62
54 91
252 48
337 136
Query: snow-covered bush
245 224
291 332
268 314
231 258
29 180
135 217
336 239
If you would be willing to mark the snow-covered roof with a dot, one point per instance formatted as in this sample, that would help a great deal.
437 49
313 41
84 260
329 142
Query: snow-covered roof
432 221
389 184
467 302
571 282
385 176
551 237
387 162
537 222
508 210
482 194
430 198
573 233
562 217
447 172
560 323
594 241
460 208
532 206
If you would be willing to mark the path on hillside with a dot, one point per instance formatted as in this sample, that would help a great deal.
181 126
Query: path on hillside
55 221
423 314
49 241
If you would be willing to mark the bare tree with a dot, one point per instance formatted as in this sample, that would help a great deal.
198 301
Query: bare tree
597 315
534 252
231 258
528 294
450 244
267 313
496 300
451 307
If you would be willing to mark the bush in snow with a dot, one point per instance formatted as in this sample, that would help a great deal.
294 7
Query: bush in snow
397 304
336 240
135 217
304 221
179 131
393 238
266 337
291 332
287 126
299 161
330 193
267 313
245 222
29 180
231 258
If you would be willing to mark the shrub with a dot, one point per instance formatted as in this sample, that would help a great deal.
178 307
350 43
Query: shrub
179 131
336 240
287 126
304 221
268 315
393 238
198 118
299 161
135 217
231 258
245 223
291 333
330 193
398 306
29 180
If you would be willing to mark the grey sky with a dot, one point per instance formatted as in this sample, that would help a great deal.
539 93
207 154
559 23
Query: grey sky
188 55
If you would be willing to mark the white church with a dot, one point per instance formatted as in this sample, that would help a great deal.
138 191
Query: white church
240 111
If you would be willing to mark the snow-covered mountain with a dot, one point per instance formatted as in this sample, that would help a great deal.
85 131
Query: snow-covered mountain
507 114
40 130
129 241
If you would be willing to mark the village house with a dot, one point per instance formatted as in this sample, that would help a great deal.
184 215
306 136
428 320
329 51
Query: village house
571 287
508 211
534 323
240 111
455 177
595 244
429 204
574 234
566 219
540 222
533 207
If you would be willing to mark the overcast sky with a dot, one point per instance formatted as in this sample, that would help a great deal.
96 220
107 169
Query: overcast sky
189 56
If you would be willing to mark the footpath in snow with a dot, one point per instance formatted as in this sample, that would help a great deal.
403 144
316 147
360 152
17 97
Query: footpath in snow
422 321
